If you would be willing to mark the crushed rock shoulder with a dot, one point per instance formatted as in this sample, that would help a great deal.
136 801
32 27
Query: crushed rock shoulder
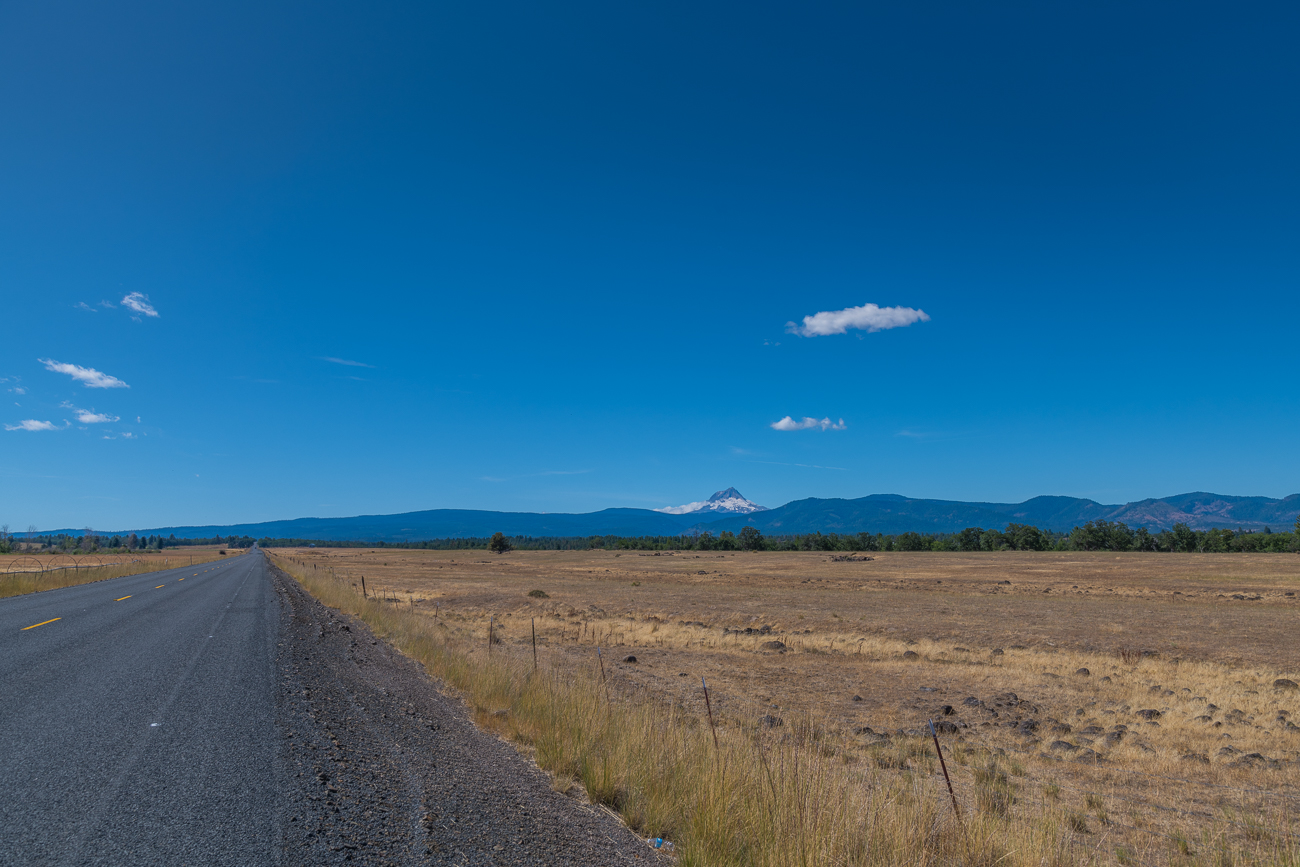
382 768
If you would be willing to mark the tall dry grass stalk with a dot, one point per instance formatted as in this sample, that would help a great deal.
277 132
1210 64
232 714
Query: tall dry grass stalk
19 583
779 797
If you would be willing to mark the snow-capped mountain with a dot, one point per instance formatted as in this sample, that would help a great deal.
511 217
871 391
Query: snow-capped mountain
728 502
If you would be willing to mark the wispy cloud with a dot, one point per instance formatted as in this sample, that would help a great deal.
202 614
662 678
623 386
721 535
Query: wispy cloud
346 362
87 376
805 466
533 475
808 423
108 305
867 318
89 416
139 303
33 424
82 305
18 390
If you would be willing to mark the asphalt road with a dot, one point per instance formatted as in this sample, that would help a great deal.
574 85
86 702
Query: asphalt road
138 720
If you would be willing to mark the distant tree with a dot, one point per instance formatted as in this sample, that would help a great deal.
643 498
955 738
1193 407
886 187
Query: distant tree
910 541
1023 537
750 539
969 539
499 545
993 540
1184 538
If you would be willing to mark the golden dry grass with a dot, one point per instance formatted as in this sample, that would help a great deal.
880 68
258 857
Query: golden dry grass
19 573
1165 790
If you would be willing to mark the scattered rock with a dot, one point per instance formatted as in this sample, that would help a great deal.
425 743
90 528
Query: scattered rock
997 651
1149 714
1027 726
857 698
629 659
1083 672
972 701
539 594
768 721
911 654
1285 683
1062 747
944 727
947 710
773 645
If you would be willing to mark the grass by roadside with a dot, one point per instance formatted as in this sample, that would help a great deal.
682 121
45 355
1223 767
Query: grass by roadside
796 794
66 573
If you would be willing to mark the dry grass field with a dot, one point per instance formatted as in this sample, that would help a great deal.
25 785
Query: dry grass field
1122 708
28 573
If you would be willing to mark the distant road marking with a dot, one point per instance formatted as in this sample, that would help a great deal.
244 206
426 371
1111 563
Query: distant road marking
42 623
124 597
160 586
180 579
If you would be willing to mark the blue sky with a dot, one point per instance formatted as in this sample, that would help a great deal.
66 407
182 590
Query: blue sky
559 247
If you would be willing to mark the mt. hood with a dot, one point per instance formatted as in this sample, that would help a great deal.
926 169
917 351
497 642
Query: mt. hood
728 502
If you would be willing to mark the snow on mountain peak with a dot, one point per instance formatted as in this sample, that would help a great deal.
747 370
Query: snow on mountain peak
729 501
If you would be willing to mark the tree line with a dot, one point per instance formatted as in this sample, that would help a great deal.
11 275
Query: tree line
1093 536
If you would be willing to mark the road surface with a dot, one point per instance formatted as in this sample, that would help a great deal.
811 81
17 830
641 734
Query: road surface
218 715
137 720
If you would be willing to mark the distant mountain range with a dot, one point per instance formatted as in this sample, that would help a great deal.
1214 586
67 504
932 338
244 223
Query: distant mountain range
728 502
878 513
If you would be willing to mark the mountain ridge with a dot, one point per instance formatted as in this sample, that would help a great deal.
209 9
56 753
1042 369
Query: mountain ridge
875 513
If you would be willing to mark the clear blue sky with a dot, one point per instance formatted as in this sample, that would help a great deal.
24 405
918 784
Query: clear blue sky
559 246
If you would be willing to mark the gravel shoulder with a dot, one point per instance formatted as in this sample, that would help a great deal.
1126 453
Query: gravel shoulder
383 768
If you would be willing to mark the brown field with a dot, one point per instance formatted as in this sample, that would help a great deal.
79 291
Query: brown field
1173 747
32 572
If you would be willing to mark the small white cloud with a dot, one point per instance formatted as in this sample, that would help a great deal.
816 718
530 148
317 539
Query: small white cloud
108 305
87 376
808 423
32 424
18 390
139 302
88 417
128 436
82 305
868 318
345 361
137 419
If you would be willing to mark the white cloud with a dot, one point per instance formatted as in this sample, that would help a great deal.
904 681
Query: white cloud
87 417
87 376
140 304
808 423
868 318
82 305
19 390
108 305
346 362
32 424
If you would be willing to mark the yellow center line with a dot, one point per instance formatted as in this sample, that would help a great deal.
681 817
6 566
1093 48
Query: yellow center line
180 579
160 586
124 597
42 623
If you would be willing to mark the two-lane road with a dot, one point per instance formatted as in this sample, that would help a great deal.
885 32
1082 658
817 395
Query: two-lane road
138 720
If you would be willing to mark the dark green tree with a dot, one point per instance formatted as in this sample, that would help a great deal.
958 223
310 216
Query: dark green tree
750 539
498 544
